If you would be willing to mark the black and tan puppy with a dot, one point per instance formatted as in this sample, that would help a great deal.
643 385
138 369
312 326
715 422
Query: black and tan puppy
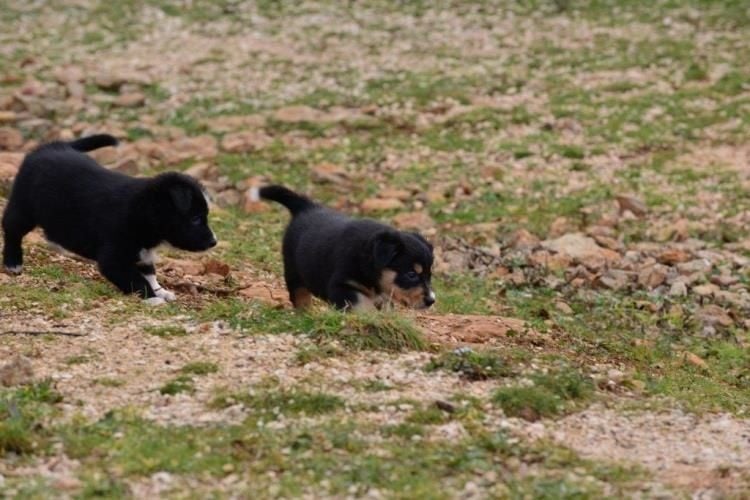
351 263
102 215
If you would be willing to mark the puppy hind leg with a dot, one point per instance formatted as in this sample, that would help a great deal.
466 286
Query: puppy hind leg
126 277
16 225
299 295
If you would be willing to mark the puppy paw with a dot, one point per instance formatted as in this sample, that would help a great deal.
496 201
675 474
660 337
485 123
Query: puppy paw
166 295
155 301
14 270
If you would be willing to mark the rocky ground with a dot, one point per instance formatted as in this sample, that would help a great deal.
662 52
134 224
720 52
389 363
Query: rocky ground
580 166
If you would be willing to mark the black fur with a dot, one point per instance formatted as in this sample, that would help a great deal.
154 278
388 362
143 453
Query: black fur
103 215
344 260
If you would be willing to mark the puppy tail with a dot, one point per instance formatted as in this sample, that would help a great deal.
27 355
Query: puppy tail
294 202
93 142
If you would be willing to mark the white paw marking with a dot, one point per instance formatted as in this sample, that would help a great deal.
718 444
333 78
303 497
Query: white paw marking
14 269
155 301
432 295
158 290
147 257
254 193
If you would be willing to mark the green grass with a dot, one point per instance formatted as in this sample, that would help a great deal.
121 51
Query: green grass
471 365
199 368
23 412
550 394
282 402
381 331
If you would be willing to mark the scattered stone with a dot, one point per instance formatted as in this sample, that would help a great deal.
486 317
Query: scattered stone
380 204
678 289
706 290
399 194
414 221
699 266
324 173
67 74
126 165
202 171
652 276
8 116
200 147
563 307
615 279
522 239
18 371
216 267
582 249
130 100
631 203
695 360
228 198
714 315
673 256
10 139
296 114
245 142
231 123
9 163
724 280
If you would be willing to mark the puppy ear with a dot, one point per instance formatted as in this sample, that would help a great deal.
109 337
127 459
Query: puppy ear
421 238
182 197
385 247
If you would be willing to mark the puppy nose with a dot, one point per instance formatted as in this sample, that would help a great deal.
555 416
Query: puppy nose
212 243
429 299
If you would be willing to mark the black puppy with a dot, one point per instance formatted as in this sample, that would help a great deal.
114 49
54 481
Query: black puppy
102 215
352 263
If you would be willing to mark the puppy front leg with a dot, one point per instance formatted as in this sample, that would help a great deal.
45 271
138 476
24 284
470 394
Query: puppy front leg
149 274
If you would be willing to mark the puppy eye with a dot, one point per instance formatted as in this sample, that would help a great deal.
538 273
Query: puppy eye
196 220
412 275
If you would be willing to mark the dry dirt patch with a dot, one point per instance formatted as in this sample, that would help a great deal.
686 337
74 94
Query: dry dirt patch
709 454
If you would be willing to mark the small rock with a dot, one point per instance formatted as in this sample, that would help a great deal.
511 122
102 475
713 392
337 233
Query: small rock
615 375
413 221
631 203
724 280
245 142
699 266
67 74
217 267
130 100
652 276
712 314
695 360
202 171
705 290
127 166
563 307
296 114
678 289
329 173
399 194
8 116
67 483
10 139
228 198
16 372
673 256
380 204
582 248
522 239
615 279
